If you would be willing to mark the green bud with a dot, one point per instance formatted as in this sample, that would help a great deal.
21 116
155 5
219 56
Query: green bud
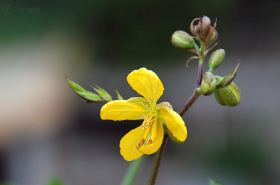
182 39
208 84
216 59
228 96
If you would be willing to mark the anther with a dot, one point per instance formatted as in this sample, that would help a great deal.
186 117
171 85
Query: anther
140 143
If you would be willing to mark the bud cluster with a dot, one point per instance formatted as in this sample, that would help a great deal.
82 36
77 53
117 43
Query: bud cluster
203 39
202 29
203 36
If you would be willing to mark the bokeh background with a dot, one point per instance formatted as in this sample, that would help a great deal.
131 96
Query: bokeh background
47 131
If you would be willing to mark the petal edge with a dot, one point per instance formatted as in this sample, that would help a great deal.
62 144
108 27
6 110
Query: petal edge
122 110
146 83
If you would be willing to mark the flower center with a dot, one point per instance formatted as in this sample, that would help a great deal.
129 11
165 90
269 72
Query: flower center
149 121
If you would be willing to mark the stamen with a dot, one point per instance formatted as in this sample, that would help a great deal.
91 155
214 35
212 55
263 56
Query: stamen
148 135
149 120
141 143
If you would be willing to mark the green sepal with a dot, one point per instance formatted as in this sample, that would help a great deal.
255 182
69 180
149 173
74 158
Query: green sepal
119 96
208 84
226 81
103 93
213 182
88 96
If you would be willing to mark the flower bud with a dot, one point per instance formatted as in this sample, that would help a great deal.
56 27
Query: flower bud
216 59
208 84
202 29
182 39
205 25
228 96
213 36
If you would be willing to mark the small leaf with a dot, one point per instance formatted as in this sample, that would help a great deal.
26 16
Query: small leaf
213 182
55 181
103 93
228 78
83 93
119 96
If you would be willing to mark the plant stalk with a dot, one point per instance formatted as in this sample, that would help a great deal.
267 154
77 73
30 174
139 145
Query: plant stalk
187 106
157 162
131 171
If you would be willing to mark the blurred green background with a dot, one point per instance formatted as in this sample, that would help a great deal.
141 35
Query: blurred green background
48 131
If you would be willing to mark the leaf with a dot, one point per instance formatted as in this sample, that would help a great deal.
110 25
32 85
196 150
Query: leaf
55 181
83 93
228 78
213 182
119 96
103 93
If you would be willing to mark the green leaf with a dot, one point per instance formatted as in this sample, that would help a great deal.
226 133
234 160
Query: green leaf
228 78
83 93
55 181
119 96
103 93
213 182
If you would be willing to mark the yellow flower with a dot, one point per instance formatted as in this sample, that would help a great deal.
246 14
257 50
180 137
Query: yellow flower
147 138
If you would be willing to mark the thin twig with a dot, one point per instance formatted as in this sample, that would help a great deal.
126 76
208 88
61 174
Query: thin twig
199 73
157 162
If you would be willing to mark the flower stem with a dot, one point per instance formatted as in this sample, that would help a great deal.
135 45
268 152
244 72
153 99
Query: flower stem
155 169
157 162
134 166
189 103
131 171
187 106
199 73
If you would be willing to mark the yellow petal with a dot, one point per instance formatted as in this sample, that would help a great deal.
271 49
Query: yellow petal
156 138
128 144
122 110
146 83
174 123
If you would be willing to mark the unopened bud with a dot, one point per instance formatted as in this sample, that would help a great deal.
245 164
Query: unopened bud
216 59
228 96
205 25
208 84
202 29
213 37
182 39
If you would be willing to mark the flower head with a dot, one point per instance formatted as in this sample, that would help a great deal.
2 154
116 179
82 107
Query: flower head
147 138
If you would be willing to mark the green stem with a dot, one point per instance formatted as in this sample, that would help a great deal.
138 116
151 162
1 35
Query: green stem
131 171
